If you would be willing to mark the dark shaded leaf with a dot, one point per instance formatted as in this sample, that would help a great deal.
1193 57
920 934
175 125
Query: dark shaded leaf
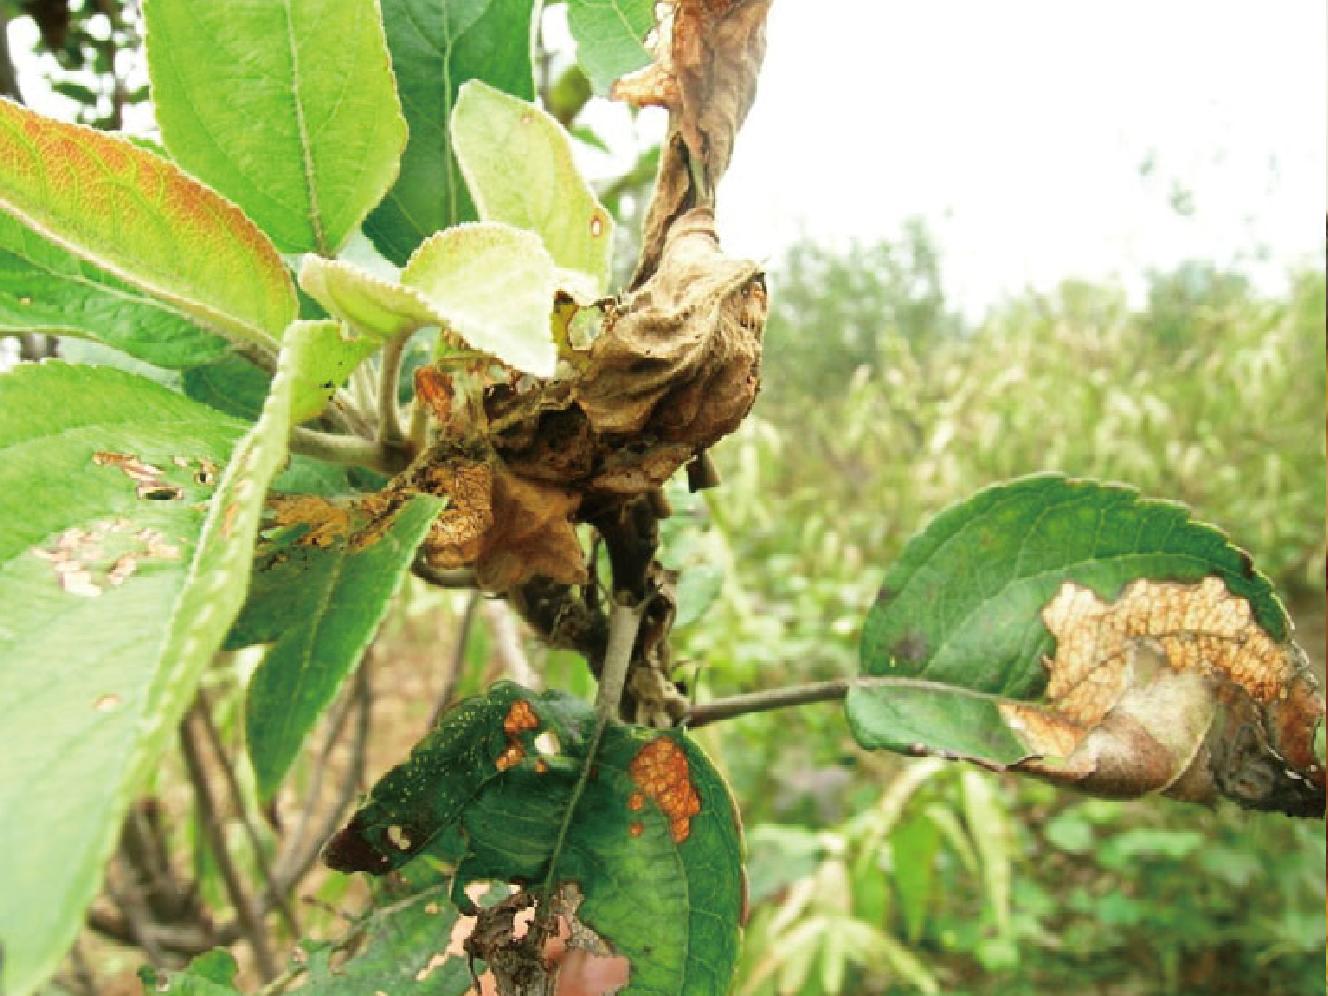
436 45
652 845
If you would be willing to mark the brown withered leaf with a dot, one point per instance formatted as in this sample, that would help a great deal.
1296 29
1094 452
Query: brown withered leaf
1174 688
682 355
674 369
532 535
508 528
707 62
458 535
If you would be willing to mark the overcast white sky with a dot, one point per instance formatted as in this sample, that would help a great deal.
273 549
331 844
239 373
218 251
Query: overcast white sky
1018 130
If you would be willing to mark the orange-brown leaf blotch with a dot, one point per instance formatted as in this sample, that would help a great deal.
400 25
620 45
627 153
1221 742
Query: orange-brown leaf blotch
520 718
662 772
511 757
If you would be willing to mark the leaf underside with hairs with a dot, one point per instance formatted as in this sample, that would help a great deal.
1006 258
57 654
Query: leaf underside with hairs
1095 638
43 288
653 845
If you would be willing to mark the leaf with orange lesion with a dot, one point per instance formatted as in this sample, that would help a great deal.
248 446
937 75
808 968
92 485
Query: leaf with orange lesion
1094 638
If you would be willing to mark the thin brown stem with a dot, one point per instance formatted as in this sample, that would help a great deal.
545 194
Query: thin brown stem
458 658
128 899
774 698
295 864
251 925
281 900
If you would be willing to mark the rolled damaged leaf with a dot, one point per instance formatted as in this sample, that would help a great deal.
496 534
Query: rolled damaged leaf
507 528
1077 632
708 59
675 367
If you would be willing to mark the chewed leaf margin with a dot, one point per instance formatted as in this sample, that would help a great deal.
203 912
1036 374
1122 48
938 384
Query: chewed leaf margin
652 846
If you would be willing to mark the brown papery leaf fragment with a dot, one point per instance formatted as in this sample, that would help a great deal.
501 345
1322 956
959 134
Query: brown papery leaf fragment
1175 688
709 56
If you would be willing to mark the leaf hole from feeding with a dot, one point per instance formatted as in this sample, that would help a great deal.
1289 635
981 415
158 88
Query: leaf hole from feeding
160 491
547 744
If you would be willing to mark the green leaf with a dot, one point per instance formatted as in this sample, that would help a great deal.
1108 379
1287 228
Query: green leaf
436 45
288 108
698 587
610 37
232 385
319 604
210 974
120 666
961 605
990 830
493 286
333 354
914 844
398 952
518 164
140 218
45 289
1078 631
931 717
653 842
96 557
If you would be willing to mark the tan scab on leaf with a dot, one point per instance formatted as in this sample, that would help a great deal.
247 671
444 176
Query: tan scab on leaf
511 756
1173 687
107 553
661 771
150 482
328 522
133 468
1201 627
457 536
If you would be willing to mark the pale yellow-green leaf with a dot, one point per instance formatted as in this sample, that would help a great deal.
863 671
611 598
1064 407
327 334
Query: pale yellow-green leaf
328 353
287 106
517 161
494 287
371 305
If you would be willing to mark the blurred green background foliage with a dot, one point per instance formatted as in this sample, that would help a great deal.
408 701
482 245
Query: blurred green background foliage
881 405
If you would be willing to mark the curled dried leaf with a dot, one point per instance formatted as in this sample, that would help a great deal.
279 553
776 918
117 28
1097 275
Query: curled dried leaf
707 62
1174 688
